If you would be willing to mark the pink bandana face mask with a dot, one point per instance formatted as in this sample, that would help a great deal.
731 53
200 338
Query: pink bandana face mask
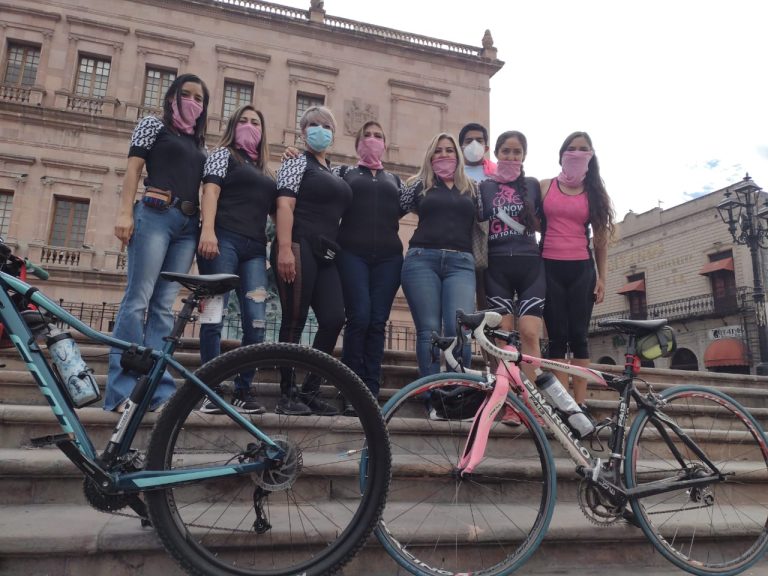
508 170
370 150
248 137
445 167
184 120
574 167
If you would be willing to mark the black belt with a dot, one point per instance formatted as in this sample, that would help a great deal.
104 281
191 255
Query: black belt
187 208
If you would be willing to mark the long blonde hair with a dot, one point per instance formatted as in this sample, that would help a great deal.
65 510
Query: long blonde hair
426 174
228 138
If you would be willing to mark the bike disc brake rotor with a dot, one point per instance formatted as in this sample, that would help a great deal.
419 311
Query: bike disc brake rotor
282 475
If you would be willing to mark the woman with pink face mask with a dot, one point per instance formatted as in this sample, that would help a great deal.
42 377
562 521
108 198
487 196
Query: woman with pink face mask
439 269
371 254
573 203
161 229
239 191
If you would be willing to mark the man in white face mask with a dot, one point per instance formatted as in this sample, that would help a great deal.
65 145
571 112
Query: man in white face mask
473 139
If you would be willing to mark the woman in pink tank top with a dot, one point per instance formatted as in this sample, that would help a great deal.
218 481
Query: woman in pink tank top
573 203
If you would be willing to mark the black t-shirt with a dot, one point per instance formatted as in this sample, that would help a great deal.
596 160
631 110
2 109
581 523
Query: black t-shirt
174 161
502 205
370 225
446 216
321 196
247 194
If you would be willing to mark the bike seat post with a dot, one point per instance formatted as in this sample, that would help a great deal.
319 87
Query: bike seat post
631 361
186 314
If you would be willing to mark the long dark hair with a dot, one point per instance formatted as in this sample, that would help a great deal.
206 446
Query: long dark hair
601 214
526 214
174 91
228 138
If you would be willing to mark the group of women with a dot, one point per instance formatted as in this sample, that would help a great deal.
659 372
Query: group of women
337 247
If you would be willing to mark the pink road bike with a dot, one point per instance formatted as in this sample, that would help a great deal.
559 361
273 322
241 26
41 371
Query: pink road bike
477 497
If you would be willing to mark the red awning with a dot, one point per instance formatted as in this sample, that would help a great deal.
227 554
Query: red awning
710 267
726 352
636 286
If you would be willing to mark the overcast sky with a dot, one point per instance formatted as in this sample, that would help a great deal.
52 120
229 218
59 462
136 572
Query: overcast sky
673 92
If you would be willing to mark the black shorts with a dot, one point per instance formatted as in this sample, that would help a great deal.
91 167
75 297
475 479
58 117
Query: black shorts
516 283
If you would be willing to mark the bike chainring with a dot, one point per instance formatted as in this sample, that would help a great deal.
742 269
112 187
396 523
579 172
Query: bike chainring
596 506
282 475
101 501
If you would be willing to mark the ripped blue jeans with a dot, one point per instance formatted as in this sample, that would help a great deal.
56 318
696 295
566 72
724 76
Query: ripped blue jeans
245 257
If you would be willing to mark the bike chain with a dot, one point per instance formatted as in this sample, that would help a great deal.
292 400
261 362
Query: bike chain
589 505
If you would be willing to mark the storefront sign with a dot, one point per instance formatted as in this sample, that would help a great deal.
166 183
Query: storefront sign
726 332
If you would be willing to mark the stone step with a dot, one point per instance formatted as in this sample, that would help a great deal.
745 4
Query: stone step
69 540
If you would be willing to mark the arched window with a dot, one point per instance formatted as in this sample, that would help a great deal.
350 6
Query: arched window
684 359
607 360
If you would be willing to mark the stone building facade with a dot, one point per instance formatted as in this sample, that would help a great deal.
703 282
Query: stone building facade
682 264
75 76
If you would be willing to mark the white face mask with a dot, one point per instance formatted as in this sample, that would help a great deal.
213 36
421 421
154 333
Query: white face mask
474 151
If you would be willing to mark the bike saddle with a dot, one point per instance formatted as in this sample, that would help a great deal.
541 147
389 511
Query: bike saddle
638 327
206 284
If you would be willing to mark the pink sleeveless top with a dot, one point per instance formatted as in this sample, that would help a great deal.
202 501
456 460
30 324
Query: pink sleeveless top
567 217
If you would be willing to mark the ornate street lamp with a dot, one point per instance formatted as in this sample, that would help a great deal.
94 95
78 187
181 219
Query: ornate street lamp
744 218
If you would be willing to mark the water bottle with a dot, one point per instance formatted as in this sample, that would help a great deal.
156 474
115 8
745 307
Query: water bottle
558 396
77 377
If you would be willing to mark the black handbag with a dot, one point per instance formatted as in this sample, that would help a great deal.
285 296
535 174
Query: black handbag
324 248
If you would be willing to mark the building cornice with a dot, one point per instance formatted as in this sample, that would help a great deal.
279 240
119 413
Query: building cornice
90 24
29 12
163 39
91 168
16 159
227 51
311 66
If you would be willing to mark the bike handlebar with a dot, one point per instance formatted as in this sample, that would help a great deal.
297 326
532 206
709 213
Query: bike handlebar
35 270
477 322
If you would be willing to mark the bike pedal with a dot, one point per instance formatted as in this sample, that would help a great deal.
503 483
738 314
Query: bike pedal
48 440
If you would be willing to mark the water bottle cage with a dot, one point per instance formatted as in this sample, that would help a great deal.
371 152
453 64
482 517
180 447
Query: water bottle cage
138 362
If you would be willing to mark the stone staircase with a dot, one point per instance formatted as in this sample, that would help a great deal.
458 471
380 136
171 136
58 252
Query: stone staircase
47 528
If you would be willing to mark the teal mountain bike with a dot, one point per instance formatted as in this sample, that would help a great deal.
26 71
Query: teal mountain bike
230 493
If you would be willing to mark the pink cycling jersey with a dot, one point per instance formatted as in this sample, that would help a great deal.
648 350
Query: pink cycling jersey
567 218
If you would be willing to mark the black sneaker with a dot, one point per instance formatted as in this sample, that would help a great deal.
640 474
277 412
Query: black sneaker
244 402
316 405
292 407
349 410
208 407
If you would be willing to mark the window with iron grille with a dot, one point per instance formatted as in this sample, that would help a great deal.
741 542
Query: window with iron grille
21 64
156 84
6 205
304 102
638 307
92 77
236 94
69 219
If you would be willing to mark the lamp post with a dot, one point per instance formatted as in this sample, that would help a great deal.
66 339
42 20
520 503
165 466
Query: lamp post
744 218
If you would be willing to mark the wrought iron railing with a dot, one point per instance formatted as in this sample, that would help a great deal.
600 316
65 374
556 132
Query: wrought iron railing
102 317
700 306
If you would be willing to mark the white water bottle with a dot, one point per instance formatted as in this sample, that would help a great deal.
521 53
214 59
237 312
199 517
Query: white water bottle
77 377
558 396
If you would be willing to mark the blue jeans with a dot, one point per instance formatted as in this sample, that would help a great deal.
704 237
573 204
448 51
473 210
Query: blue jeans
245 257
436 284
162 241
369 285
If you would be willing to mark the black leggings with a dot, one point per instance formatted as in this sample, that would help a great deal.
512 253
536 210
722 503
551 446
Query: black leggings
318 285
570 299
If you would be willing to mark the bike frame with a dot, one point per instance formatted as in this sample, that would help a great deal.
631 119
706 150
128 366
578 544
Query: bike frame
509 377
74 441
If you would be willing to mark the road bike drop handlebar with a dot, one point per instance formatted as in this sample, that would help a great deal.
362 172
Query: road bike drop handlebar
477 323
